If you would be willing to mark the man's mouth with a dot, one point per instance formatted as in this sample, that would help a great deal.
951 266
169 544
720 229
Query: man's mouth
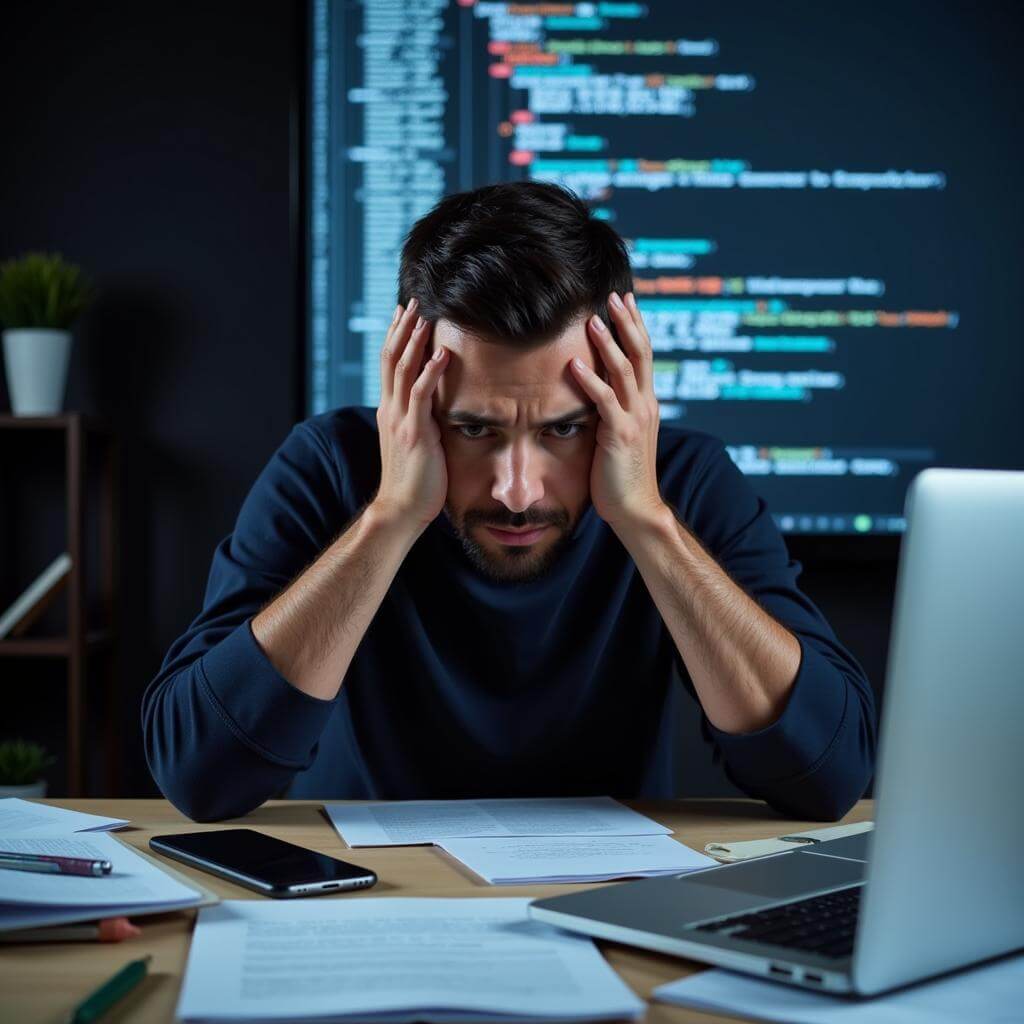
516 538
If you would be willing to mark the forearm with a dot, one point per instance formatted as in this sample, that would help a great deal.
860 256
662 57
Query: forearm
741 660
311 630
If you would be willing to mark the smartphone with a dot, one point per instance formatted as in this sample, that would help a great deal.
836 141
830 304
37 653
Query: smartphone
262 863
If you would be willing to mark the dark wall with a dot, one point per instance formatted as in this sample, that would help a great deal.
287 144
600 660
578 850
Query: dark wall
152 145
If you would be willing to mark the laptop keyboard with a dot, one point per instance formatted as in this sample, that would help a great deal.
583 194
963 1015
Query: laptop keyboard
821 924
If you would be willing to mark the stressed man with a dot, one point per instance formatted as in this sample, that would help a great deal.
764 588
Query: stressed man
482 587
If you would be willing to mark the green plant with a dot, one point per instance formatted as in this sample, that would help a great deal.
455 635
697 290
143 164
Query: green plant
21 762
41 290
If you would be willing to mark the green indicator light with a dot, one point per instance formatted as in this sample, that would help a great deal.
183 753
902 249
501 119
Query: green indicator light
862 524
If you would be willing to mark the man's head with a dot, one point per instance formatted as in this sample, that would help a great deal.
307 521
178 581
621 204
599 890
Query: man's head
508 276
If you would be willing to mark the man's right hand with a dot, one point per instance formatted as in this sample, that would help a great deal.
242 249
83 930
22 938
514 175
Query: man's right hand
414 478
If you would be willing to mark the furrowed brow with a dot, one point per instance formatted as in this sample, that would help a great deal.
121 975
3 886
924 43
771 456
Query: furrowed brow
476 420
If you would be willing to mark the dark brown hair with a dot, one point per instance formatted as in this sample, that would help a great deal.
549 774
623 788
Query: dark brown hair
513 263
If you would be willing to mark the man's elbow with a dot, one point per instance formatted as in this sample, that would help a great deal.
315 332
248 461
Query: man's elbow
201 791
822 796
197 795
201 805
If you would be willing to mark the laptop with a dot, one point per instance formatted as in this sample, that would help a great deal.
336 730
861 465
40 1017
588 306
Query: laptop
938 883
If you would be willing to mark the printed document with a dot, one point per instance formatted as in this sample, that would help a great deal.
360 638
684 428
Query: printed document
525 859
411 822
132 880
397 959
988 994
22 817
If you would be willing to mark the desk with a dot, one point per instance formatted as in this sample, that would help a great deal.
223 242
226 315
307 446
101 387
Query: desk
39 983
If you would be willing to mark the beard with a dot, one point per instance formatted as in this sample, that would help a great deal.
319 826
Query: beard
513 564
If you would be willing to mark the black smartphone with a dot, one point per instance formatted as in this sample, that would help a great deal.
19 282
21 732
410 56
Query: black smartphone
260 862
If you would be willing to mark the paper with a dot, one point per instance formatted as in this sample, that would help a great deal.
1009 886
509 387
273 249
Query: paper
133 880
409 822
22 817
990 994
525 859
400 959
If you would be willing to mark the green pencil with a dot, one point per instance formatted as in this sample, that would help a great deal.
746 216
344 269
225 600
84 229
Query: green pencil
109 992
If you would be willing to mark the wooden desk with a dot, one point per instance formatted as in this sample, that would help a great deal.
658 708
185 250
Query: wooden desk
40 983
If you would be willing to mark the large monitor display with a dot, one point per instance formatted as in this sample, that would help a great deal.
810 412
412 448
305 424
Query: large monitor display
821 202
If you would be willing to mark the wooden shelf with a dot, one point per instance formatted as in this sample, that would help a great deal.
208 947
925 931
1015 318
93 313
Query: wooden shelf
61 422
78 435
53 646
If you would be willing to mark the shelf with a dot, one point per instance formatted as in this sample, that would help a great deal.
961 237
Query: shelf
52 646
79 435
59 422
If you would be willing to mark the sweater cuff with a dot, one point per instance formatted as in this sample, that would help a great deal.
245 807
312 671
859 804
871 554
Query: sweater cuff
801 738
258 704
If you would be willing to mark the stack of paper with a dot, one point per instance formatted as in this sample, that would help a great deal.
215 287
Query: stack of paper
525 860
22 817
135 885
394 959
509 842
989 994
410 822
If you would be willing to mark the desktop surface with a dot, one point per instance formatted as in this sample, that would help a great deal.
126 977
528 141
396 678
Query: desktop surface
41 982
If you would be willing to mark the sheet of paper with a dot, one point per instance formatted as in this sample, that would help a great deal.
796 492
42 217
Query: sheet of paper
990 994
404 958
133 880
409 822
22 817
524 859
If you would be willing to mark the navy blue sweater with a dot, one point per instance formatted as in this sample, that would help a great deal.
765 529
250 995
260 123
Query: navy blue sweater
465 687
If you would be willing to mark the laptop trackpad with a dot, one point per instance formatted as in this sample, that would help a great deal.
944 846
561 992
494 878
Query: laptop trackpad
786 876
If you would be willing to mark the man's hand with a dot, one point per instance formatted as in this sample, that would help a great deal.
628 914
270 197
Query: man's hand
623 476
414 479
311 630
743 663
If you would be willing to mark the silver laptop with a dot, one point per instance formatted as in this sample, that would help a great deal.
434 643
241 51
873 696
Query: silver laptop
939 883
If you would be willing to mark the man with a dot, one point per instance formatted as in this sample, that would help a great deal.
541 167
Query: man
483 589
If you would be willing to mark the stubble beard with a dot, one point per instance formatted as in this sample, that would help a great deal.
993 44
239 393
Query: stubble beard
522 564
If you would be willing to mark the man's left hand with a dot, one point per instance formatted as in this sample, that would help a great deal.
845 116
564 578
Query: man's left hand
623 476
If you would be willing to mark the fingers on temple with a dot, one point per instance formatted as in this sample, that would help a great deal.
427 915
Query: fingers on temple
621 371
395 342
421 395
630 326
409 364
603 394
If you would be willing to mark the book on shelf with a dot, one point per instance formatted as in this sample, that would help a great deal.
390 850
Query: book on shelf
36 597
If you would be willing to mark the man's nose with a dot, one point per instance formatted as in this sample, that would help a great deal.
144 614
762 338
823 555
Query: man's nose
518 482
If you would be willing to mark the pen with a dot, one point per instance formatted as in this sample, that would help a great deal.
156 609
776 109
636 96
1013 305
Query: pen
54 865
110 992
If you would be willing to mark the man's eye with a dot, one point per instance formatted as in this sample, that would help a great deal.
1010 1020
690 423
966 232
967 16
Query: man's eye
562 431
574 427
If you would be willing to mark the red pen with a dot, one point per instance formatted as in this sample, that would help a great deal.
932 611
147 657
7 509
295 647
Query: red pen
54 865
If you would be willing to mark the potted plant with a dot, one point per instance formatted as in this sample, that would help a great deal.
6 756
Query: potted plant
21 768
40 298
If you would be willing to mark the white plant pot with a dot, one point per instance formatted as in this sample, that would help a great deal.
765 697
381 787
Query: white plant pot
37 788
36 361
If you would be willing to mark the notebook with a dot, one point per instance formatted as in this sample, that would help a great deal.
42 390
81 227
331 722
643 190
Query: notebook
138 884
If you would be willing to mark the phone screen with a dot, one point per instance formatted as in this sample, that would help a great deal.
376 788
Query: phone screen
252 853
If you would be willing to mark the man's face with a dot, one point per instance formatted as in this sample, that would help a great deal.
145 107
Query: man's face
518 435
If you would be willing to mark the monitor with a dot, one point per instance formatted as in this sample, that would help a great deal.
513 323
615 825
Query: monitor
819 202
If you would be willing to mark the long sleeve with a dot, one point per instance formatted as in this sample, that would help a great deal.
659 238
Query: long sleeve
816 760
223 729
